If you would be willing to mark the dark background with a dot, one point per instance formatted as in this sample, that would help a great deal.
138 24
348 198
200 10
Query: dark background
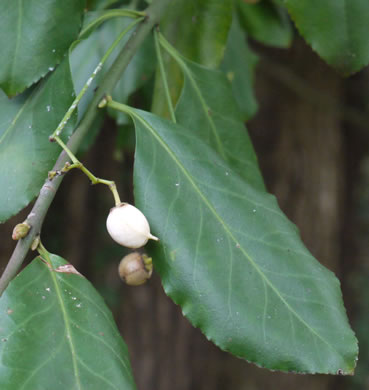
311 135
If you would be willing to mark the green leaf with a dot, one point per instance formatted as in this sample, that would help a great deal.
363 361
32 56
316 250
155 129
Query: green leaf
57 333
231 259
215 117
26 155
199 30
239 65
102 4
336 29
34 36
266 22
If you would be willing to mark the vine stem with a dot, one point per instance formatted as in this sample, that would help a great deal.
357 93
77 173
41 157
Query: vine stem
163 75
47 193
99 66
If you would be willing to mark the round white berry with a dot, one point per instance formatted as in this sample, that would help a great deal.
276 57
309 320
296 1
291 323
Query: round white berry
128 226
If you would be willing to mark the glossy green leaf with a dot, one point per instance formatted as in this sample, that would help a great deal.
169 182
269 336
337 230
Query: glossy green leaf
56 332
266 22
336 29
239 65
26 122
214 116
199 30
233 261
34 37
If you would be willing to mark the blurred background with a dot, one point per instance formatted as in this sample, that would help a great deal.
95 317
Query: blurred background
311 134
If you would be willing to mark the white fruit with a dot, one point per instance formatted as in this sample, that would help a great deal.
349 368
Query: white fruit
128 226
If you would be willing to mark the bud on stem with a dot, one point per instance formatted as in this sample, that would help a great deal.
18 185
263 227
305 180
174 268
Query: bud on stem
21 230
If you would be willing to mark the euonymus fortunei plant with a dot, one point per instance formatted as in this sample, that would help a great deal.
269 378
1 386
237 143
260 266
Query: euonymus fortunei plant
222 247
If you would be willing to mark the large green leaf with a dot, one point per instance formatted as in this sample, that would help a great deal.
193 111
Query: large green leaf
26 154
199 30
57 333
34 36
336 29
266 22
239 65
233 261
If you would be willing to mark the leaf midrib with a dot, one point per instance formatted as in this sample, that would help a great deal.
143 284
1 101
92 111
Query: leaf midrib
25 104
19 33
225 226
67 324
205 108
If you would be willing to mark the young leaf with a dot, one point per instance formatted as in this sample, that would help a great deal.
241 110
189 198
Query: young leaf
239 65
233 261
266 22
26 154
215 117
199 30
34 36
336 29
57 333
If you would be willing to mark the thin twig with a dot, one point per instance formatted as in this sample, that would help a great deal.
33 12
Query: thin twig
77 164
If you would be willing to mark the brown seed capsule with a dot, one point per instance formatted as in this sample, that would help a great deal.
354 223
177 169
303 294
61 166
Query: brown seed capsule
135 268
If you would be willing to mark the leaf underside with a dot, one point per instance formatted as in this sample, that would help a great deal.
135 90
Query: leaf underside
336 29
88 53
231 259
57 333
